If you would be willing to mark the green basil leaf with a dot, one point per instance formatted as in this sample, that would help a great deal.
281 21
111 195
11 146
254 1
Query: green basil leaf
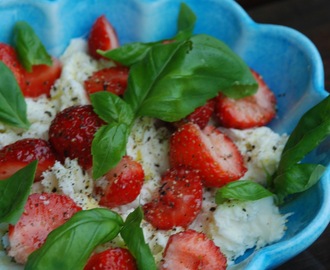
70 245
311 130
297 178
14 192
243 190
174 79
30 49
128 54
112 108
186 22
108 147
134 239
12 102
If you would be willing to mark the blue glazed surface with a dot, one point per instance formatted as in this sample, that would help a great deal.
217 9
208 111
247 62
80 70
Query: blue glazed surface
288 61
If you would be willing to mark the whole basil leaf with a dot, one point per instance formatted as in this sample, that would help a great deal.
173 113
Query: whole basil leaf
311 130
174 79
14 192
30 49
128 54
70 245
134 239
297 178
12 102
243 190
108 147
112 108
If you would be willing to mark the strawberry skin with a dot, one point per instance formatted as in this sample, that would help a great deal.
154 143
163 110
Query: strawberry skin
72 131
102 37
17 155
200 116
112 259
42 214
41 79
9 57
124 183
209 151
113 79
179 199
191 250
253 111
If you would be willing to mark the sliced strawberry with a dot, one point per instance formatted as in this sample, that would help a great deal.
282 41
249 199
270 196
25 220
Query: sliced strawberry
200 116
42 214
112 259
191 250
209 151
113 79
124 183
9 57
72 131
102 37
179 199
41 79
17 155
253 111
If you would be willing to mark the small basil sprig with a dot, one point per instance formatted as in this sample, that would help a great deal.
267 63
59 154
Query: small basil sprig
70 245
30 49
168 83
12 103
292 175
14 192
134 239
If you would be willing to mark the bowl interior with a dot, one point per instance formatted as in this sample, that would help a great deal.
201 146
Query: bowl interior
288 61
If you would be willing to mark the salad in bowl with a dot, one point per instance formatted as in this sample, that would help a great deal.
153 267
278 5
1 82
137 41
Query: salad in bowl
164 136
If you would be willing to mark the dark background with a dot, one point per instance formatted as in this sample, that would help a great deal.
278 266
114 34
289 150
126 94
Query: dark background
312 18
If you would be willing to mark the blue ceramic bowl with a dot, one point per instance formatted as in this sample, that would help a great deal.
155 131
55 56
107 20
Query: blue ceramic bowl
288 61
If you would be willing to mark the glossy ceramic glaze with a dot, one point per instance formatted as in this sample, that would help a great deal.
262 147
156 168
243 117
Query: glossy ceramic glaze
288 61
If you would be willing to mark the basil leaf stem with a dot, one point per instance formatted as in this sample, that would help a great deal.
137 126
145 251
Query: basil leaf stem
243 190
70 245
30 49
12 103
14 192
134 239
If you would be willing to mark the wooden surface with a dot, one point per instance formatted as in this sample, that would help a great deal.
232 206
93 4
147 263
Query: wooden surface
312 18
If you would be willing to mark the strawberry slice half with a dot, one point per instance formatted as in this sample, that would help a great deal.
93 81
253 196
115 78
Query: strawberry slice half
191 250
112 259
200 116
15 156
102 37
113 79
42 214
179 199
41 79
209 151
124 183
9 57
252 111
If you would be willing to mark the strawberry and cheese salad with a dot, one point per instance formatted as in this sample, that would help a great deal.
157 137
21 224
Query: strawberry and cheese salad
139 156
